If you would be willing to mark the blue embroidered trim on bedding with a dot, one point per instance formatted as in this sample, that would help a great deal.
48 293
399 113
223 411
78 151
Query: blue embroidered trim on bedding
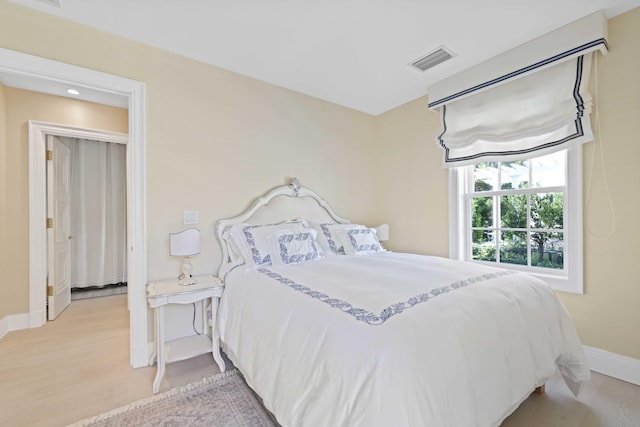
290 255
397 308
332 244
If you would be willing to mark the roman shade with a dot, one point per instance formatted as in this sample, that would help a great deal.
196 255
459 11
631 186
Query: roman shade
524 110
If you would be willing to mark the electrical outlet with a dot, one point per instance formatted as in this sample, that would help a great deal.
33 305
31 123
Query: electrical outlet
190 217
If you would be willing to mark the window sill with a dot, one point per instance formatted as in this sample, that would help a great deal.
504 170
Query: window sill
561 284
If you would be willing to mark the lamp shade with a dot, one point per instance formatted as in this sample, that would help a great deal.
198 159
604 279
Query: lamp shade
185 243
382 232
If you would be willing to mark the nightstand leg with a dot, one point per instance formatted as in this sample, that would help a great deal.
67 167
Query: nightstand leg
159 320
215 339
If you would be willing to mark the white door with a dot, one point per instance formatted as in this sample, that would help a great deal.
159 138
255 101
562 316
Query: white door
58 235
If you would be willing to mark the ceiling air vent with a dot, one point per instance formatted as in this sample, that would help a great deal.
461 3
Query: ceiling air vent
432 59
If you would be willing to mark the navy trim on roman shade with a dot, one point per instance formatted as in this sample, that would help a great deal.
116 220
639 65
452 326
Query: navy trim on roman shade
561 56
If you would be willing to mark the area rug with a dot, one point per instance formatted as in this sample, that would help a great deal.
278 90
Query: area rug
220 400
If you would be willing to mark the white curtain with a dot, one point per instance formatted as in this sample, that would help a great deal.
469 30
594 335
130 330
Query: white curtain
98 212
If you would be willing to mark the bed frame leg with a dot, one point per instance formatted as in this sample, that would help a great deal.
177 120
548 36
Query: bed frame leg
539 390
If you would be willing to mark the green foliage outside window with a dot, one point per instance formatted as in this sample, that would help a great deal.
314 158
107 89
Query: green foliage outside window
523 218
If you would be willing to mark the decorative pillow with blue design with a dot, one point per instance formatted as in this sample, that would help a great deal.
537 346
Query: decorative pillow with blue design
253 240
294 247
330 238
362 241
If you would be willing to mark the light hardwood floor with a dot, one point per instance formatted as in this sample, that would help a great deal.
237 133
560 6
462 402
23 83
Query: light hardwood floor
78 366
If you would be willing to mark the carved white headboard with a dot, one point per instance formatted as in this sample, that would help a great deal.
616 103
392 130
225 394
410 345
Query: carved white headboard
291 190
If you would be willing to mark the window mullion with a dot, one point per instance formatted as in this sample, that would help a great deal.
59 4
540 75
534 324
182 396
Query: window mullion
509 192
529 225
496 225
497 235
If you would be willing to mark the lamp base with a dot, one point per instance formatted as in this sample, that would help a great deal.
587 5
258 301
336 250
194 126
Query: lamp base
185 278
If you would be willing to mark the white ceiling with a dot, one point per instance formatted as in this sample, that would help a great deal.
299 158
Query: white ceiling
350 52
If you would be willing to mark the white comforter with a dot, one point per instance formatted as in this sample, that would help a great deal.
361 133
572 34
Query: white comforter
395 340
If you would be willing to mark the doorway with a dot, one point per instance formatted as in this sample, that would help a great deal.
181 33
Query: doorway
86 225
38 73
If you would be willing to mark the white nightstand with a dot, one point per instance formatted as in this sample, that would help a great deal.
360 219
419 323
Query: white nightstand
165 292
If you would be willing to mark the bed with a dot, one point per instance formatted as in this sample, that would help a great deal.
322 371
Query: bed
360 336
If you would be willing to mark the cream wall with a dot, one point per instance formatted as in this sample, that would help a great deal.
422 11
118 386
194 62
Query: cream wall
412 180
233 138
22 106
215 140
607 315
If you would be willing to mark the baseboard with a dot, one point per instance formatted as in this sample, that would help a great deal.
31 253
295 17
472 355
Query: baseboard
151 352
613 365
4 327
13 322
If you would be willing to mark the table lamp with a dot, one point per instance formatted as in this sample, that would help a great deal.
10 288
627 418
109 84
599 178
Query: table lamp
185 244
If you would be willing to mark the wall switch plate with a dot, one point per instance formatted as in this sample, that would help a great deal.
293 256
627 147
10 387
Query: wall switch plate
190 217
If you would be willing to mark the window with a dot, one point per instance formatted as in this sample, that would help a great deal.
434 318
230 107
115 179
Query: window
521 215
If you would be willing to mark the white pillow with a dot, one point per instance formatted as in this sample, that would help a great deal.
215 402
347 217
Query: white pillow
253 240
330 239
235 254
361 241
294 247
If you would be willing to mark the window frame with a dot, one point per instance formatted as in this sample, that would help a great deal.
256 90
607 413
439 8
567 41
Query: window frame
569 279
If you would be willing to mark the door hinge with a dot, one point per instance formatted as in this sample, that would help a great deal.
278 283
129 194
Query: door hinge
49 222
49 155
49 291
